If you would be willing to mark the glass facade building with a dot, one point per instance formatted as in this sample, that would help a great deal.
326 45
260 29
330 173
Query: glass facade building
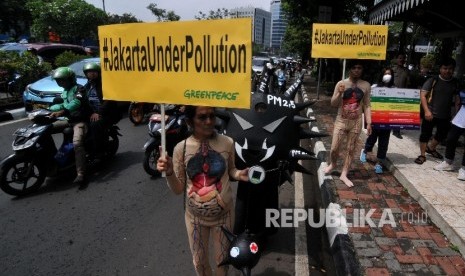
278 24
261 21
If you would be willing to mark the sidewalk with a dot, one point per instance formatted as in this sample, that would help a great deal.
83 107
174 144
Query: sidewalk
428 235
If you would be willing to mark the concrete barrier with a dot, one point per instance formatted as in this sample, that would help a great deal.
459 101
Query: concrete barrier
342 247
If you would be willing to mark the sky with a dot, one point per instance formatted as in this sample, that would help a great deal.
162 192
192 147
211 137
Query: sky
186 9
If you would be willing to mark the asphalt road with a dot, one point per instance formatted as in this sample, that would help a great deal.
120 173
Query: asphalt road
126 223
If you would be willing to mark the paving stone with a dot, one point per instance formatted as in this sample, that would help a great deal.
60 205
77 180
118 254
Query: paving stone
365 244
369 252
421 269
393 265
414 245
386 241
407 246
366 262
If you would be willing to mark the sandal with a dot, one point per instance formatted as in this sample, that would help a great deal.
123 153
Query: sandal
434 153
420 159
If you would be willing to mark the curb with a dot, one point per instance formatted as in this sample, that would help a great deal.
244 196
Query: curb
341 245
12 114
5 116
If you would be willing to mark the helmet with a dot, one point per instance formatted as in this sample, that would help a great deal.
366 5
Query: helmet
91 66
64 73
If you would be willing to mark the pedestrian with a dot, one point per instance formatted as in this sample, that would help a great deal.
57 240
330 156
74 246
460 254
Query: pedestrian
456 130
73 109
381 135
401 80
201 168
352 97
299 71
437 96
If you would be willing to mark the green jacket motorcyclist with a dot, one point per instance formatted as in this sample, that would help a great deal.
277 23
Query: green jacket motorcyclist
73 108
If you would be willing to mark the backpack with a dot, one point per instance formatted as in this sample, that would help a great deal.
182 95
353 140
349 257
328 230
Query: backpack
83 113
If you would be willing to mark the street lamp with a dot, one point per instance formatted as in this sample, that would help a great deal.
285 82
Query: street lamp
103 3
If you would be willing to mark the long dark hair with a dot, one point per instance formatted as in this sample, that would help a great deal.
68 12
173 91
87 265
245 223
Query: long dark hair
190 111
380 79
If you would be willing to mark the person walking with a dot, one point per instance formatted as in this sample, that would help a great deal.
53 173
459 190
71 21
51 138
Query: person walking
401 80
457 129
379 134
201 168
437 96
352 97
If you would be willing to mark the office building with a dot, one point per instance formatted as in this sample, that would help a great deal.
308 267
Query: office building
278 24
261 24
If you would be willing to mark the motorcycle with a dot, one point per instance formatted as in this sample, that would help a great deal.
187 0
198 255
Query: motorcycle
175 130
36 156
138 112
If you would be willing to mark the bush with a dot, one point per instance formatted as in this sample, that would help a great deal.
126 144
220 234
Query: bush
66 58
27 66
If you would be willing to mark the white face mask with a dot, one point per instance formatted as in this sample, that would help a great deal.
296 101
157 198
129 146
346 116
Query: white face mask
387 78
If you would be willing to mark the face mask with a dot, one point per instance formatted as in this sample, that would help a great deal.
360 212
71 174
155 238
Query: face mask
387 78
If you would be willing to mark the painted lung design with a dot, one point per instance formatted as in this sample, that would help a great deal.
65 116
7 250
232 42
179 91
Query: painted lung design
205 169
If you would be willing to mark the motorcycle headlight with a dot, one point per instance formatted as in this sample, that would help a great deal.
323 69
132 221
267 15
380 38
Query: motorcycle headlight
26 145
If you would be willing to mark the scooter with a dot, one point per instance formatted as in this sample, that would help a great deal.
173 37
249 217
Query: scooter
138 112
175 131
36 156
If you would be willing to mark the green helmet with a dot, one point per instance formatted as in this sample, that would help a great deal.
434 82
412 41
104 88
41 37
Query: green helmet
64 73
91 66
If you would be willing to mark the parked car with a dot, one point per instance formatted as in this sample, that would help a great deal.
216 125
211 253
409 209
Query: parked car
44 51
41 93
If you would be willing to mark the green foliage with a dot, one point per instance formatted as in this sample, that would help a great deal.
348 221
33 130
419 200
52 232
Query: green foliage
14 16
218 14
120 19
72 20
298 41
7 61
301 14
31 70
26 65
427 61
163 15
66 58
455 248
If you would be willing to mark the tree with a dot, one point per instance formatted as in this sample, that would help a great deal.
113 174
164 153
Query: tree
301 14
119 19
163 15
70 20
218 14
14 17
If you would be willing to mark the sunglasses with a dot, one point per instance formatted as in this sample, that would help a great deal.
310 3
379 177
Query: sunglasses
204 117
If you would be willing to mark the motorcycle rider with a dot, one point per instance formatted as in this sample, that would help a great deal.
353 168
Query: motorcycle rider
103 113
73 108
281 75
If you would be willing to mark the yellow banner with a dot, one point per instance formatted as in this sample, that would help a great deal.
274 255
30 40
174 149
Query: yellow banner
349 41
206 62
